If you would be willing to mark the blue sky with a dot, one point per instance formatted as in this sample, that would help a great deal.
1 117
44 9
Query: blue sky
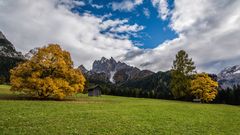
155 31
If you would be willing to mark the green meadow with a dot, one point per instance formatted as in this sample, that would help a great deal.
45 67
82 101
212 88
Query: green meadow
112 115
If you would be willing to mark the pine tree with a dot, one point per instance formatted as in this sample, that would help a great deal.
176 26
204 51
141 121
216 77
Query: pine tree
181 73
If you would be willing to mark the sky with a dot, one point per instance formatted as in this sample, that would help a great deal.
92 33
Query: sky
143 33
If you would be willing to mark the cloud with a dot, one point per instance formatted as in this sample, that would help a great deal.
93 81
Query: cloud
133 53
162 7
30 24
97 6
146 12
126 5
70 3
113 23
120 28
208 30
127 28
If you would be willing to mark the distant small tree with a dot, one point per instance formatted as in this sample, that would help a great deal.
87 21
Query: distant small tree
182 70
204 88
49 73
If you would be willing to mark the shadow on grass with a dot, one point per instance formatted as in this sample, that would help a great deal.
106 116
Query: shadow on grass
25 97
72 99
79 98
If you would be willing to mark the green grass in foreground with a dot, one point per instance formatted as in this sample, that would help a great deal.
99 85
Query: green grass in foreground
114 115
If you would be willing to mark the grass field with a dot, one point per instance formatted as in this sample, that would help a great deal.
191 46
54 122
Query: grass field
114 115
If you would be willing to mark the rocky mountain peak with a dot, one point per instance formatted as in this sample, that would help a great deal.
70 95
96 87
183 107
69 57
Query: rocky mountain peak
2 36
115 72
103 59
7 49
104 65
31 53
229 71
83 69
229 76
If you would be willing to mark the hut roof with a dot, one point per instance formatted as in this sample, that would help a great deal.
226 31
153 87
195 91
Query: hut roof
93 87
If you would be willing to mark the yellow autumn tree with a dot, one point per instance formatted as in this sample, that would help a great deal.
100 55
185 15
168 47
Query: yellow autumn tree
49 73
203 87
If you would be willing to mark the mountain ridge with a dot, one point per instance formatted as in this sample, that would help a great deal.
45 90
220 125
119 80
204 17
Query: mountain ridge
7 49
114 71
9 57
229 77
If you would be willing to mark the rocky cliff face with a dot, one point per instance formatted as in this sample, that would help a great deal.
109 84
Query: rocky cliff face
108 66
7 49
113 71
229 76
9 57
83 69
31 53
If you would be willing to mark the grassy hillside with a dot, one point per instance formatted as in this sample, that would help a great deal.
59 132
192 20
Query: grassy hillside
114 115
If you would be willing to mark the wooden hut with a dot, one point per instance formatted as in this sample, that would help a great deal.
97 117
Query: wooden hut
94 91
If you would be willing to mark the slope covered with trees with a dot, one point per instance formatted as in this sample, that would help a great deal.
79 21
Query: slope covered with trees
7 63
9 58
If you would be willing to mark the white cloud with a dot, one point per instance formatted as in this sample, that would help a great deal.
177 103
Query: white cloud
127 28
112 23
120 29
208 30
162 7
146 12
126 5
29 24
97 6
70 3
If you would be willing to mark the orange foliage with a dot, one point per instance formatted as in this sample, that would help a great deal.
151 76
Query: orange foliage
204 88
49 73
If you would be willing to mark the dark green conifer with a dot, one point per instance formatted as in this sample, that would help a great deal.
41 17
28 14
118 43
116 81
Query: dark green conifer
182 70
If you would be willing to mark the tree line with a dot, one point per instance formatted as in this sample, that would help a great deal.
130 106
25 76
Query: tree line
50 73
229 95
182 82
